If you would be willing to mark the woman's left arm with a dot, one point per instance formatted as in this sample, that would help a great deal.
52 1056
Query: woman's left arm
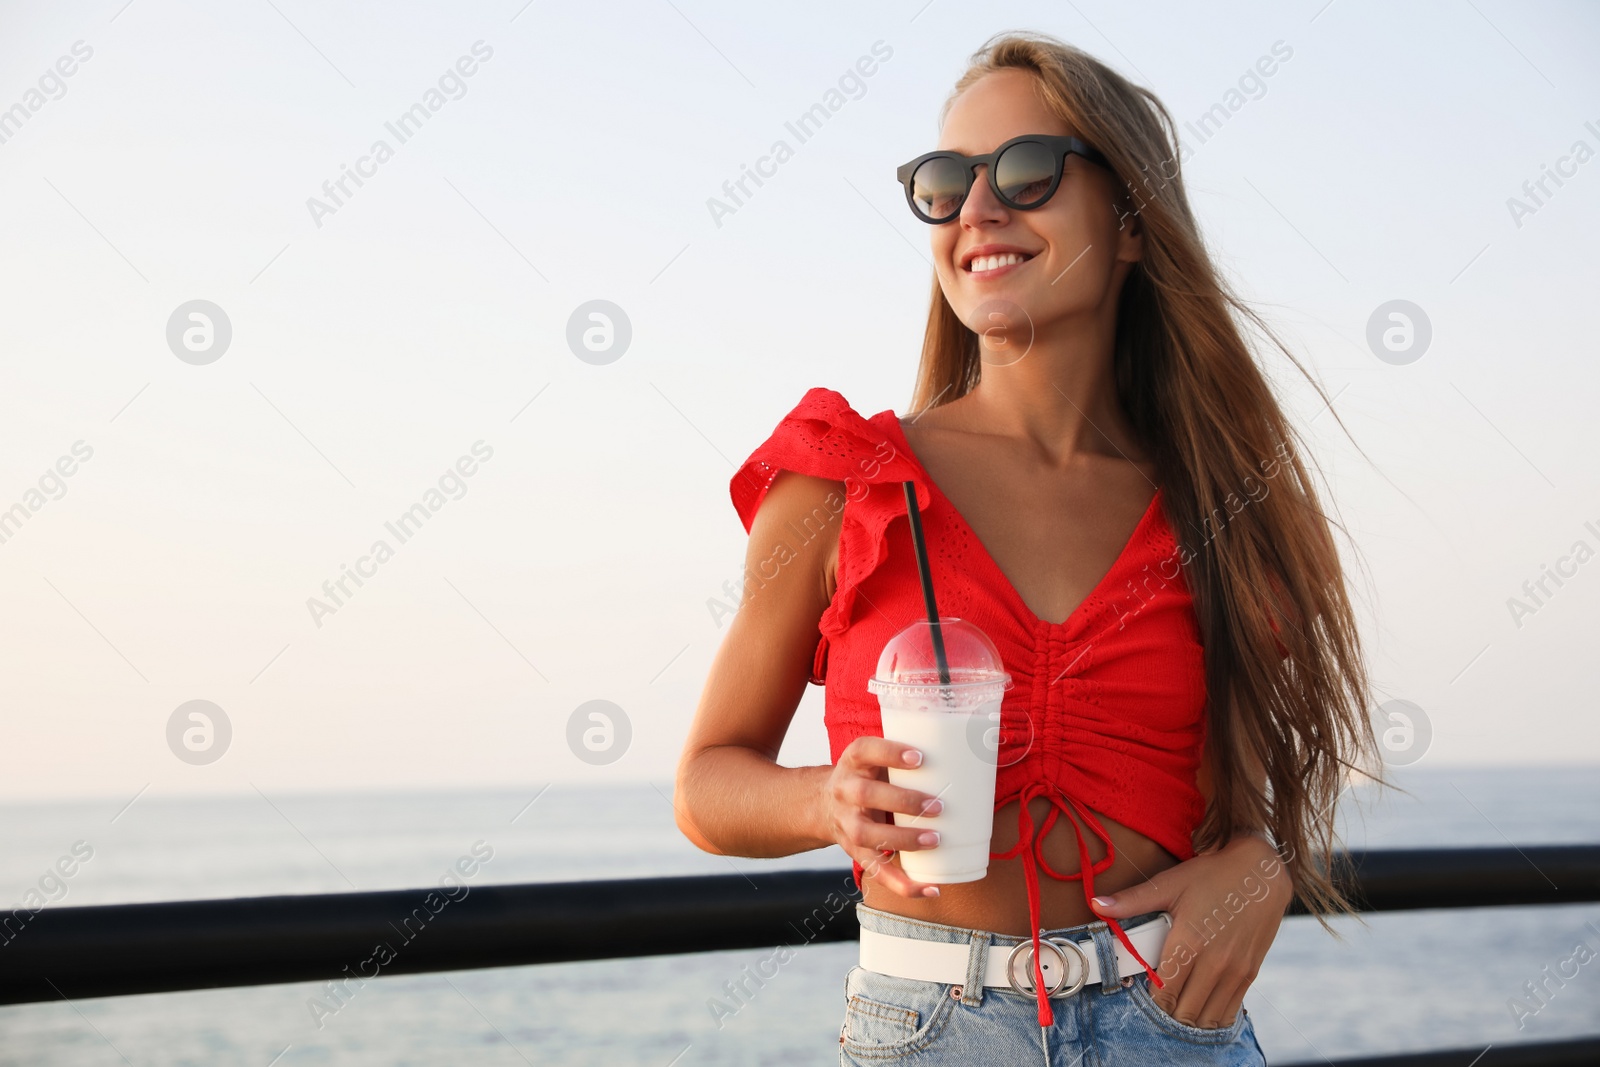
1226 905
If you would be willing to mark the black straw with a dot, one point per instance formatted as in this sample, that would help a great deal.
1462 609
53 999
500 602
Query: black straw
926 575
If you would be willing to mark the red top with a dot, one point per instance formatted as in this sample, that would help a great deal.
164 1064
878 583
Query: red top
1107 708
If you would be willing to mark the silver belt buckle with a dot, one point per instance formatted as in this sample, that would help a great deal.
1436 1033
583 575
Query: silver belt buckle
1058 946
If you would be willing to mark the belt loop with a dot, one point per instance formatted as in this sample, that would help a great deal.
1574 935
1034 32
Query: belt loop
1105 944
977 967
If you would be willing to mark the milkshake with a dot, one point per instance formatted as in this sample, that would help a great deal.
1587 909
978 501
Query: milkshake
956 727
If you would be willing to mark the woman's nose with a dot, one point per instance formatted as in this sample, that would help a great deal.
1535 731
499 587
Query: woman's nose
981 204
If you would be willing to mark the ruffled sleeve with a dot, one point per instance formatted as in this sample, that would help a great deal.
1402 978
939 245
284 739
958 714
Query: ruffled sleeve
825 437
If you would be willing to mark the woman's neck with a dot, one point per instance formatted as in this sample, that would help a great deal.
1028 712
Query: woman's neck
1060 397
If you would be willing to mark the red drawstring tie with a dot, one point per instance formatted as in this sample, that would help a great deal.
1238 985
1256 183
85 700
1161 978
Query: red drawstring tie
1029 844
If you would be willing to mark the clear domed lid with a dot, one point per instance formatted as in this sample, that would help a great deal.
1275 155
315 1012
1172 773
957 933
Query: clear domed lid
908 659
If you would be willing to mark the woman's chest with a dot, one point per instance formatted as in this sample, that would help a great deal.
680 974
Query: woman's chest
1049 536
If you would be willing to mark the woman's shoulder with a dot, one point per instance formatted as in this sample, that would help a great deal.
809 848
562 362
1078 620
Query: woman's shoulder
823 436
828 406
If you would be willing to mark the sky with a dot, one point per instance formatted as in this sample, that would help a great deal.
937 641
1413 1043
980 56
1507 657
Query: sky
227 378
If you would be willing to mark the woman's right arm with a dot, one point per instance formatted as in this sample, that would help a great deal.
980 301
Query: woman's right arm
731 796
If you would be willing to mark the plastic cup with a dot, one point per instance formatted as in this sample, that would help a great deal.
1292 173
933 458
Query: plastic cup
957 729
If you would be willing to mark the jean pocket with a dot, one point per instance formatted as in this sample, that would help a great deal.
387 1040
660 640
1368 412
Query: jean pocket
1140 991
887 1016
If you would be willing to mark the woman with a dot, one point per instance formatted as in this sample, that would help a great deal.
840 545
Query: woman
1110 491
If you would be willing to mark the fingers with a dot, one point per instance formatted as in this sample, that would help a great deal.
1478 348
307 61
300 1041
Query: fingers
872 840
873 795
1173 979
886 870
1204 1000
876 801
1177 958
1222 1006
868 831
862 780
866 827
880 752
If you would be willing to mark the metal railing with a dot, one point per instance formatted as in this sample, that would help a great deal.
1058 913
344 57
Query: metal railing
119 949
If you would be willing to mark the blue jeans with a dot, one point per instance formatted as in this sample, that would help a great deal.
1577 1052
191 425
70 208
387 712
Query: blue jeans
912 1023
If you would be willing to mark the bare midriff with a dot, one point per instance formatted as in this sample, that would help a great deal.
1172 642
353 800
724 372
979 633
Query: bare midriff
999 901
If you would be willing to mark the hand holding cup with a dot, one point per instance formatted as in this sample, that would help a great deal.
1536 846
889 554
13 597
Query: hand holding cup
859 803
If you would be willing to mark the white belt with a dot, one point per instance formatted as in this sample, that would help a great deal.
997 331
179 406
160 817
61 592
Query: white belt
1068 965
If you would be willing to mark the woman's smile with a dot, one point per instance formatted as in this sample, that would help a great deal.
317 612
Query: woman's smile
991 261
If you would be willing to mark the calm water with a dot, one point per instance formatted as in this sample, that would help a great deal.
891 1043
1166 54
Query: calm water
1401 982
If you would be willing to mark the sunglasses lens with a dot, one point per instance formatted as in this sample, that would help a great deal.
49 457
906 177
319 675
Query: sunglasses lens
1024 172
939 187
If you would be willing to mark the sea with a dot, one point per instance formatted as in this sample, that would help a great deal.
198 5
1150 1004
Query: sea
1388 983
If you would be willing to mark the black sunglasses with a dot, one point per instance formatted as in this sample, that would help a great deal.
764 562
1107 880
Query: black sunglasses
1023 174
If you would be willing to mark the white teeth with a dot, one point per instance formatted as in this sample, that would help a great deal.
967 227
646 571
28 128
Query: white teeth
1004 259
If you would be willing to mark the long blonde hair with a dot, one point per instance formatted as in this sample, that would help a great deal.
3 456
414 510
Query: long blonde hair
1261 570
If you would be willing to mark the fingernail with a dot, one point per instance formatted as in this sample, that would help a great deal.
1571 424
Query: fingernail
933 807
1104 902
931 891
929 838
913 758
